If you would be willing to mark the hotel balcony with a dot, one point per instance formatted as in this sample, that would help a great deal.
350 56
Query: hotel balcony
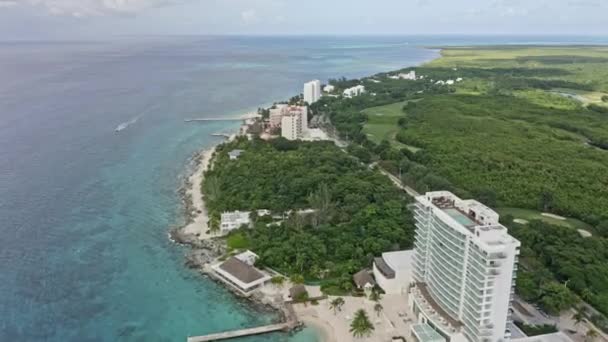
433 311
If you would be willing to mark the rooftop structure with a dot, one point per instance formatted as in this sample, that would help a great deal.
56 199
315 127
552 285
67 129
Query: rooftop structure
297 291
239 272
312 91
364 280
393 271
354 91
464 268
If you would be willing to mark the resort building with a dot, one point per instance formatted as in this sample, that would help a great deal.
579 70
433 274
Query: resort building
239 272
234 220
291 127
408 76
354 91
312 91
393 271
329 88
464 268
276 114
294 123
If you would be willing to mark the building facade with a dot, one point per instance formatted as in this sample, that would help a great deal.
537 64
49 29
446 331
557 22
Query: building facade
234 220
393 271
312 91
354 91
294 122
464 269
276 114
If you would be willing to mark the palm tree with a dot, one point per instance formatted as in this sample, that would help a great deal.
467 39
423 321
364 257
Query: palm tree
375 295
578 318
336 304
591 335
361 325
378 308
586 295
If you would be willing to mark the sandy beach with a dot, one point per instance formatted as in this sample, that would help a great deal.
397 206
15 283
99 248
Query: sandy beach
198 228
325 331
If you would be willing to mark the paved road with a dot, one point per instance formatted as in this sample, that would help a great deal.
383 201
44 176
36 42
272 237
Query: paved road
398 182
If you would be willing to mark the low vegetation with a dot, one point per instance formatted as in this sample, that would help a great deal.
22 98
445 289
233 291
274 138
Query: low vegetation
535 330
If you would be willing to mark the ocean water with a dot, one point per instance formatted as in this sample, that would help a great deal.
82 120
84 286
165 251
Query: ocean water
85 210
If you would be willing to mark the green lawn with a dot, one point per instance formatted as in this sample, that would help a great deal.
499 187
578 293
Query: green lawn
585 96
583 65
382 124
530 215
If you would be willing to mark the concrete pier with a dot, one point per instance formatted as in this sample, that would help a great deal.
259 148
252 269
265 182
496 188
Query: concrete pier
241 333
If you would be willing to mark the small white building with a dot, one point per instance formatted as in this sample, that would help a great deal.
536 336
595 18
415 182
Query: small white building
234 220
393 271
364 281
235 154
240 273
449 82
354 91
408 76
459 79
312 91
329 88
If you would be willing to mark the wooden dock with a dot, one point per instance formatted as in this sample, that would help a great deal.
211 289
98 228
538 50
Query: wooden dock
241 333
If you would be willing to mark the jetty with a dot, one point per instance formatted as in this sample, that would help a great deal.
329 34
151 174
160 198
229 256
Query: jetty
241 333
291 323
226 118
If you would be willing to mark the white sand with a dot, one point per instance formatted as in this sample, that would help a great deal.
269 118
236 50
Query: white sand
325 331
200 224
335 327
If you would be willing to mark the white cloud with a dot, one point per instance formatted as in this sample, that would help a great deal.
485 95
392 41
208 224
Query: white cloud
249 16
7 3
83 8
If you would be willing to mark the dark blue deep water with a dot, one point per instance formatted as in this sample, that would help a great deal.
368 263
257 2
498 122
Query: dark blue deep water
85 211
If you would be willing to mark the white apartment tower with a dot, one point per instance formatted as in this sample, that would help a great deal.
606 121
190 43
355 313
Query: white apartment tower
464 269
312 91
291 126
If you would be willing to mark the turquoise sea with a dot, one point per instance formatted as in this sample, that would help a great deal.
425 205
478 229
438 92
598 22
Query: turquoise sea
85 210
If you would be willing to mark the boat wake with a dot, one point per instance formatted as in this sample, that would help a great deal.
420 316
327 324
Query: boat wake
126 124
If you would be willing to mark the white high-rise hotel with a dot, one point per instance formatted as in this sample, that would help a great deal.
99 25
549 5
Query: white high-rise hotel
464 269
312 91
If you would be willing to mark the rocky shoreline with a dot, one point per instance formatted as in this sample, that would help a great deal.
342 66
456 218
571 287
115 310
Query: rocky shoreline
204 248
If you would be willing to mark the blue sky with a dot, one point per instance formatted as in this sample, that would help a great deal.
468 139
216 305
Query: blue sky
27 19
